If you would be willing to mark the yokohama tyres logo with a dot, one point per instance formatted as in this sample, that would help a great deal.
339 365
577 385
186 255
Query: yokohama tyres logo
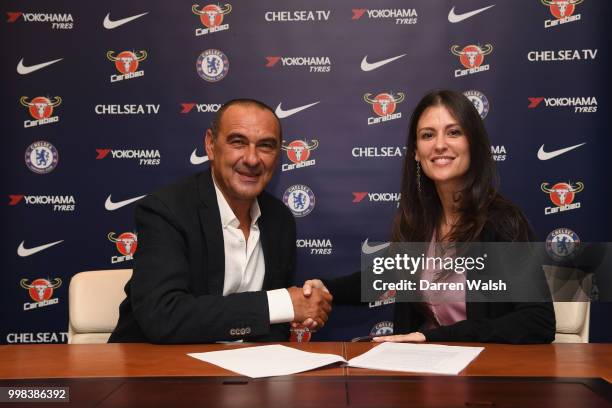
579 104
59 21
312 64
359 196
398 16
316 246
145 157
58 203
187 107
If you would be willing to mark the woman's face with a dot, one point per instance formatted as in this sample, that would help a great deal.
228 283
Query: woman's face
442 147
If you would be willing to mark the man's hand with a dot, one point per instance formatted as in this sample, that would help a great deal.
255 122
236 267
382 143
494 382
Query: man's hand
312 309
309 285
414 337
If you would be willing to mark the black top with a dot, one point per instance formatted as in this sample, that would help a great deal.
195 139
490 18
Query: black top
488 322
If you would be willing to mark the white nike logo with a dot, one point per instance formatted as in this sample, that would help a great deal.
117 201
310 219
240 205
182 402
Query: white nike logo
110 206
286 113
366 66
371 249
456 18
23 252
542 155
23 70
109 24
195 159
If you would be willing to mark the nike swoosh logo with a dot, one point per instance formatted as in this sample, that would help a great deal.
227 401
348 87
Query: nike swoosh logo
286 113
456 18
542 155
110 206
195 159
371 249
23 70
366 66
109 24
23 251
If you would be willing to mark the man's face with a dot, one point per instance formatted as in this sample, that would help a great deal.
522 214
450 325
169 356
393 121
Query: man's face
245 152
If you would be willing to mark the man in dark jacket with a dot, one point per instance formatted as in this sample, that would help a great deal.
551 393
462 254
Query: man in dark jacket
215 251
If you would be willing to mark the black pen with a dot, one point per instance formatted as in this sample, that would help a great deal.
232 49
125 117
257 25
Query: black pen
363 338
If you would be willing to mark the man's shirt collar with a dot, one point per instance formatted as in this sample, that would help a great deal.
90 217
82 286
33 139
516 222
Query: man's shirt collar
227 214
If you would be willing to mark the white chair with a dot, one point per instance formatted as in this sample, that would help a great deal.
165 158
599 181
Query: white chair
93 304
572 322
570 289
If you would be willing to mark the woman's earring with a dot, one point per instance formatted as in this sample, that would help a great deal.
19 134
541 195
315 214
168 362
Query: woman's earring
418 175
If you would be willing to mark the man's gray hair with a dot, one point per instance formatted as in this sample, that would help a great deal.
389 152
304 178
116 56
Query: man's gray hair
216 120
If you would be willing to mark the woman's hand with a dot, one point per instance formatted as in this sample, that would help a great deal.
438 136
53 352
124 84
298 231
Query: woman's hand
313 283
414 337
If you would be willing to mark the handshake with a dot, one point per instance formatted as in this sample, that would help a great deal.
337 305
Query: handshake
311 304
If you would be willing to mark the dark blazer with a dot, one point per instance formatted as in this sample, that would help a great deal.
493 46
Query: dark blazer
488 322
176 292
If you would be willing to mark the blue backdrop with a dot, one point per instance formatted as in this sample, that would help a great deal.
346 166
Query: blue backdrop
103 102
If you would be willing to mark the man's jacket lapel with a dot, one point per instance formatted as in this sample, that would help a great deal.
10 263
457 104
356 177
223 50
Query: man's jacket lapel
210 222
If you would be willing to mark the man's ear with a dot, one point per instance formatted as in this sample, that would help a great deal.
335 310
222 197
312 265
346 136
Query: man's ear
208 144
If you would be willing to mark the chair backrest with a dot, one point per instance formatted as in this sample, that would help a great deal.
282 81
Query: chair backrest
571 290
572 322
93 304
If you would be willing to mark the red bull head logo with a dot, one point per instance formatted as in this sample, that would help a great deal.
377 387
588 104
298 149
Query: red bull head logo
384 104
41 289
562 194
211 15
388 295
386 298
126 243
472 56
127 61
40 107
561 8
300 334
298 151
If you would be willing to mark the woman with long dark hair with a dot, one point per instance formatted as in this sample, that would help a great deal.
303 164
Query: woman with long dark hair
450 194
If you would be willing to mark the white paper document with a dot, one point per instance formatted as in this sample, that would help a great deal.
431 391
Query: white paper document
418 358
267 361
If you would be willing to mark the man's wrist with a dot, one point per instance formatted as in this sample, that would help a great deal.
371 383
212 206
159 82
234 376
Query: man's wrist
280 307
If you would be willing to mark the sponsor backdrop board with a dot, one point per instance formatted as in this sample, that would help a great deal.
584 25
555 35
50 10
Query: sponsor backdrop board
104 102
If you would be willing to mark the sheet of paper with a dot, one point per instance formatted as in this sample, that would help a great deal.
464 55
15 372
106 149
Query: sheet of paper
267 361
419 358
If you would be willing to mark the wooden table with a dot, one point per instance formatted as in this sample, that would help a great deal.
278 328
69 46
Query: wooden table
134 375
148 360
131 360
538 360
